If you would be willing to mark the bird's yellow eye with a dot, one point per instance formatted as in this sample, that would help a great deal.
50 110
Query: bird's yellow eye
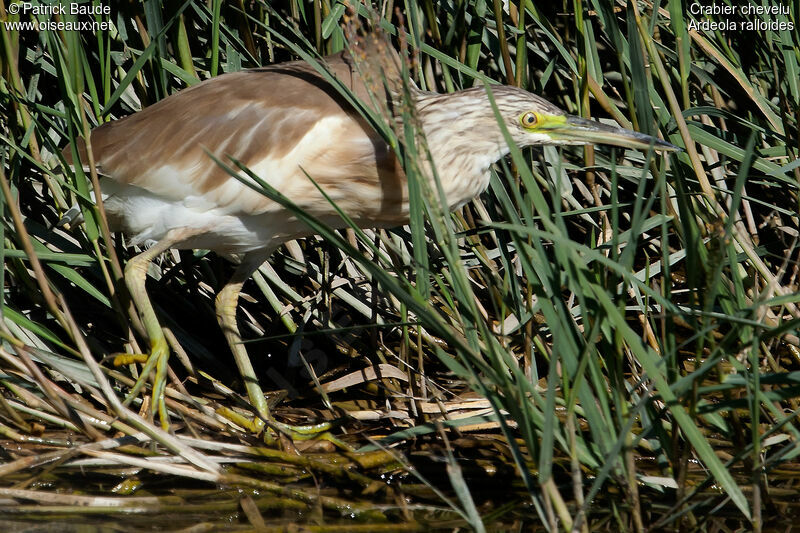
529 119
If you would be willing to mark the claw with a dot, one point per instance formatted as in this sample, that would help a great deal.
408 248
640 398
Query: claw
158 358
251 425
321 431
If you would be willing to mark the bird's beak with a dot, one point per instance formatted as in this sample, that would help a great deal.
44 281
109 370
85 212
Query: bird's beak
577 130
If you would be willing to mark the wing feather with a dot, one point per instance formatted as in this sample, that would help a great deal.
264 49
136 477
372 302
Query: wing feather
281 121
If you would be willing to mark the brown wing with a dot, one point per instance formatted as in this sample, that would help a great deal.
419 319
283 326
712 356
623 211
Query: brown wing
281 121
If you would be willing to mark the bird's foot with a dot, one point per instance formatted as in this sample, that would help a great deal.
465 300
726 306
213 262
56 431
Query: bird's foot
251 425
125 359
272 429
157 359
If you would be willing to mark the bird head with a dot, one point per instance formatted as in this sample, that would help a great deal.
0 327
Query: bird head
532 120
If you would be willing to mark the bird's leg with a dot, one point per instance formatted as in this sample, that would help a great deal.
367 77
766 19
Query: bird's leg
226 305
135 277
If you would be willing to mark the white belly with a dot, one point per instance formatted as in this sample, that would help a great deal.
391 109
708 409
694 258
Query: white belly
145 216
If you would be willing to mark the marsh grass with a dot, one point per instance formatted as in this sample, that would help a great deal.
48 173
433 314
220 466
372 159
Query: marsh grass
603 340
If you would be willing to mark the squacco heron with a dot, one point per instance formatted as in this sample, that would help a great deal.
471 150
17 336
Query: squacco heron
286 122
